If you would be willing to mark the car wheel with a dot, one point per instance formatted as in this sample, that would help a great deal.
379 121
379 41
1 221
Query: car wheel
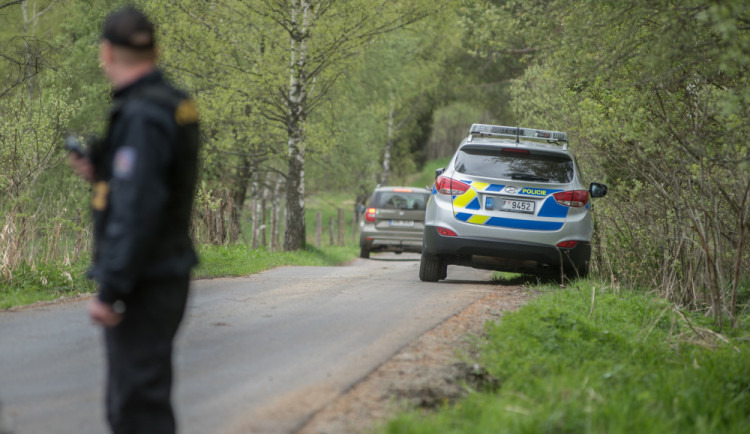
430 268
584 270
581 272
364 252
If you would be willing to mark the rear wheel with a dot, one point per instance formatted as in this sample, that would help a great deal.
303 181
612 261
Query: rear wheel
430 268
364 252
581 271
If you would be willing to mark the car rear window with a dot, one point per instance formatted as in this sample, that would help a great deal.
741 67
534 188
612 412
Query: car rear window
492 163
400 200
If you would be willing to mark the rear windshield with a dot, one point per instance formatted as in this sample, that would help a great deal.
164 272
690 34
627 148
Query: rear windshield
513 165
400 200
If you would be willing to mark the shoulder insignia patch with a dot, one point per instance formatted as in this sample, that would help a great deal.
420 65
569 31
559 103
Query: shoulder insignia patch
186 113
124 162
99 200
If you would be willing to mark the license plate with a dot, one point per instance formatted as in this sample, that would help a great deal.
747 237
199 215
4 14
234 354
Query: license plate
403 223
512 205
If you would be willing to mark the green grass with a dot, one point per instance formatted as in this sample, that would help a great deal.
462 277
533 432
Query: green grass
29 284
620 362
52 281
239 260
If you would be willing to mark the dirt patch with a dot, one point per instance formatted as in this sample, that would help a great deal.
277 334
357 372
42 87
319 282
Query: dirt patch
434 369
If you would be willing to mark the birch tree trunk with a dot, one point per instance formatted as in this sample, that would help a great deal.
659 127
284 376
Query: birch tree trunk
294 234
388 146
254 216
263 212
275 215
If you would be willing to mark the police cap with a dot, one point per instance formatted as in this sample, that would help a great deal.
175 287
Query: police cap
129 27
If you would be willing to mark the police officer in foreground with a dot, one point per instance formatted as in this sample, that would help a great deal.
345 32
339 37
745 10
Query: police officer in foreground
144 175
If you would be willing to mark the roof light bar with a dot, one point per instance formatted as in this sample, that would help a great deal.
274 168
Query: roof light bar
513 132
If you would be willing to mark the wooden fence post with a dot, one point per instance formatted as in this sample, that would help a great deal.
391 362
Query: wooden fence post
331 229
318 227
342 226
355 224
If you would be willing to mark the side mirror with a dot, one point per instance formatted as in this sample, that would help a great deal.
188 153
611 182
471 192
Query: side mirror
598 190
439 172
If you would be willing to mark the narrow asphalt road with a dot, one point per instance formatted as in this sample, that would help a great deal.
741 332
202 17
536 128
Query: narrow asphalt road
256 354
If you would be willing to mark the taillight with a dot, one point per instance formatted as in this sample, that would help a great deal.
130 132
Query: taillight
446 185
515 151
574 198
370 215
445 232
567 244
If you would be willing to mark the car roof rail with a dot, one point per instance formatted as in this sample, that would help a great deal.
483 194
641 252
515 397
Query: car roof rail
518 133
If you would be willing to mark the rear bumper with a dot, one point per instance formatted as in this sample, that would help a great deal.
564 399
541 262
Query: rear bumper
375 242
499 254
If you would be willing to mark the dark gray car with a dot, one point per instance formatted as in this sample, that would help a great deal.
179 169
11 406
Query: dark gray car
393 221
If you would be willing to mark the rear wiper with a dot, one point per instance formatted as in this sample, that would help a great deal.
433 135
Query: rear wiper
528 177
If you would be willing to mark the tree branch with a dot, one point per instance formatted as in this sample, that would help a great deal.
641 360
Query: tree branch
16 2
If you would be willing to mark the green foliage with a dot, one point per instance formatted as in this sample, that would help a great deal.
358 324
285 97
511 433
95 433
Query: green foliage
426 176
398 79
596 359
31 134
656 107
44 282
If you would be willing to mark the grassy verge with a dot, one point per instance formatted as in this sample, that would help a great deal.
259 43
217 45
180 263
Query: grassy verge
239 260
587 359
29 284
52 281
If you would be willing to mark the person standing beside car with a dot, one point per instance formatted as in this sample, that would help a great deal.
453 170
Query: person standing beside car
144 174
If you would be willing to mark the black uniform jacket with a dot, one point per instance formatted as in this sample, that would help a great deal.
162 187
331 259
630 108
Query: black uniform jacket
146 170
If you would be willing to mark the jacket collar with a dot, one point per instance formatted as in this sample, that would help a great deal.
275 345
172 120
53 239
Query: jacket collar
152 77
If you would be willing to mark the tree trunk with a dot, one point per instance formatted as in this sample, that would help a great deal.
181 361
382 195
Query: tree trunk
294 234
275 215
263 220
388 147
255 217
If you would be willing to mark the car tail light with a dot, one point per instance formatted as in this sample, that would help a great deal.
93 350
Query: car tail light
574 198
370 215
445 232
567 244
446 185
515 151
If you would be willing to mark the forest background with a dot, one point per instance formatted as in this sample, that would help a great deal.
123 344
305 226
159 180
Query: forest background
327 98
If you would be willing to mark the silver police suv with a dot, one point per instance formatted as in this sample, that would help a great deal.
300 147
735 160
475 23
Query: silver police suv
511 199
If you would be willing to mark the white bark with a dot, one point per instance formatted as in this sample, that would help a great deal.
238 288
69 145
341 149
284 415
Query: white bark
294 235
388 147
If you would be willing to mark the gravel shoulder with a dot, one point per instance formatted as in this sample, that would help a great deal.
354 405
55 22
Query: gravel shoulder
435 368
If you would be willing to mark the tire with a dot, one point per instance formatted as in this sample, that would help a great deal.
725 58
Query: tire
364 253
430 268
581 272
